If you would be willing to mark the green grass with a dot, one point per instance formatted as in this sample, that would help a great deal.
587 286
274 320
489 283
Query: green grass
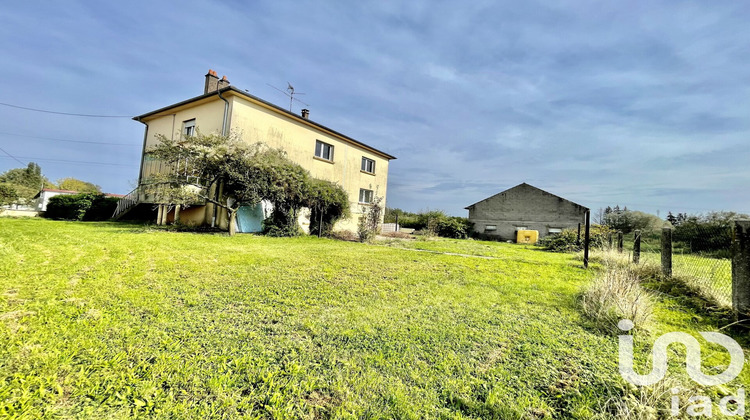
708 274
105 320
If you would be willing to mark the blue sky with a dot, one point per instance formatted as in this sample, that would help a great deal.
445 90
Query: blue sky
644 104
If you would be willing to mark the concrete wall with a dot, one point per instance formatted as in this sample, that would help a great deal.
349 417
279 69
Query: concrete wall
524 206
208 117
6 212
256 123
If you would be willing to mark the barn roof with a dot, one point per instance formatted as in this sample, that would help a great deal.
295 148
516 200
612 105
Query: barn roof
522 185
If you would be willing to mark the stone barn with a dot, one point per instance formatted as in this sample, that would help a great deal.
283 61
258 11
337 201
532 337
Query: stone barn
525 207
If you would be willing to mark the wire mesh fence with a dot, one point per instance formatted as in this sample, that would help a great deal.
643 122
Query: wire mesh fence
700 258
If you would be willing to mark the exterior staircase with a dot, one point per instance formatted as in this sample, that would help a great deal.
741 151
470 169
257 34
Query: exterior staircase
127 203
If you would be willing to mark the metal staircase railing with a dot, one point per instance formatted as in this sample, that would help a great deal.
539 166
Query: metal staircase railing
126 203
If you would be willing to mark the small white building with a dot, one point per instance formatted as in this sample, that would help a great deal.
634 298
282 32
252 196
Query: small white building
42 198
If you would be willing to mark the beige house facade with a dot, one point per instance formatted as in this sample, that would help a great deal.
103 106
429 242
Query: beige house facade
360 169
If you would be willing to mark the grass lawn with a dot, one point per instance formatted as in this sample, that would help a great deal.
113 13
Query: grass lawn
107 320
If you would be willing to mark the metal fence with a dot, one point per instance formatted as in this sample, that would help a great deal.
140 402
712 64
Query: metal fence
698 256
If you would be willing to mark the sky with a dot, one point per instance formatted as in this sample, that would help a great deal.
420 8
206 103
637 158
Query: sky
641 104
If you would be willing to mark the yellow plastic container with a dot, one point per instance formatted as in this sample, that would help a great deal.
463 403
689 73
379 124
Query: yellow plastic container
527 236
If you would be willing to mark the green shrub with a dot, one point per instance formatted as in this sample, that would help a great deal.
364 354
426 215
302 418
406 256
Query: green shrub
85 206
369 222
434 222
329 203
454 227
282 222
567 240
102 208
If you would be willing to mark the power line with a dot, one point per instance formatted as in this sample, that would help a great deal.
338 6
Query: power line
66 161
65 113
66 140
11 156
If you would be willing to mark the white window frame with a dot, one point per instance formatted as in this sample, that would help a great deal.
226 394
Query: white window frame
521 228
188 128
553 231
363 196
490 228
321 148
368 165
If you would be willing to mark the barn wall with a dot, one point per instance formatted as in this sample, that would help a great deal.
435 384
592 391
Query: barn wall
525 206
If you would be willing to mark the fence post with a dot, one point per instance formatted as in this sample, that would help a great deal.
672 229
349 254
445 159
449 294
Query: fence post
666 251
578 238
587 240
637 247
619 241
741 269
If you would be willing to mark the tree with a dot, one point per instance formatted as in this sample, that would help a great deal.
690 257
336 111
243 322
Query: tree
599 216
8 194
630 220
199 166
328 203
269 175
671 219
230 173
26 181
77 185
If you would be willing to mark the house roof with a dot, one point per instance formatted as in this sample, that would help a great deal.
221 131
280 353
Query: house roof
72 192
233 90
54 190
523 184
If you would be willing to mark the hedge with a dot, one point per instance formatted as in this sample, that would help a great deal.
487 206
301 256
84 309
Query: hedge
86 206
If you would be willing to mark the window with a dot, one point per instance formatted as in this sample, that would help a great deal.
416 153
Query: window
521 228
368 165
490 228
323 150
554 230
365 196
188 128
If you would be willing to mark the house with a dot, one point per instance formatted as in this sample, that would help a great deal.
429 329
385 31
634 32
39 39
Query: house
360 169
524 207
43 196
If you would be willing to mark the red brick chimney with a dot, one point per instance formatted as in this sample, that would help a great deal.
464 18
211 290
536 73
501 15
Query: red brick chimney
212 82
224 82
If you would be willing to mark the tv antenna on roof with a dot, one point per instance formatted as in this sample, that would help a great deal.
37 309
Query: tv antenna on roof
290 93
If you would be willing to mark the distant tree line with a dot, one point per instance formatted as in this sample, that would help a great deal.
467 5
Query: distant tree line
710 232
627 221
20 185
